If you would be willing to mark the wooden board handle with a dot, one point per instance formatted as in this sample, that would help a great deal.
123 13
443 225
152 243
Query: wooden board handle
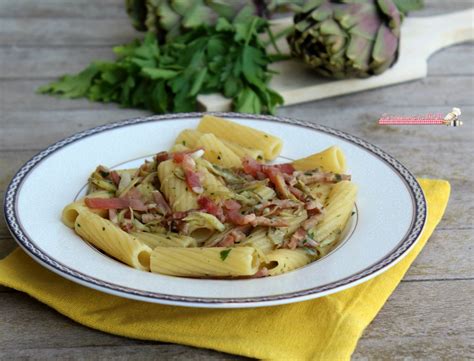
430 34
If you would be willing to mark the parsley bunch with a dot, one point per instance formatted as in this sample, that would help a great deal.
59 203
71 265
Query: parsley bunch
228 58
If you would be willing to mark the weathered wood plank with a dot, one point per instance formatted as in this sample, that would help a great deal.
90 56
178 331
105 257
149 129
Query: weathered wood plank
32 63
415 348
45 330
442 62
51 126
22 95
62 9
7 244
141 352
49 62
422 320
115 8
60 31
447 255
9 164
406 318
429 92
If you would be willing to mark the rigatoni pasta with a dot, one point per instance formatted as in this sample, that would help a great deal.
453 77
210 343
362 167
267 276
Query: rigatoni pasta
339 207
331 159
189 138
242 152
217 152
112 240
242 135
284 260
210 207
72 210
168 239
205 262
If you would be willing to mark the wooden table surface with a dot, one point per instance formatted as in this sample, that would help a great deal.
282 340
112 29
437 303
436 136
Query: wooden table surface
430 315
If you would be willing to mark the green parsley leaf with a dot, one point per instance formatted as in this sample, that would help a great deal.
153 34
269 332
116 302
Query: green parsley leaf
227 58
72 86
154 73
248 102
225 253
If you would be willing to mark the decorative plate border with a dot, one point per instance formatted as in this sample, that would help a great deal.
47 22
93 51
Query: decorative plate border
28 245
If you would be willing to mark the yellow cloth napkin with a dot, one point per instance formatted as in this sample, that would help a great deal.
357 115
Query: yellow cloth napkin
326 328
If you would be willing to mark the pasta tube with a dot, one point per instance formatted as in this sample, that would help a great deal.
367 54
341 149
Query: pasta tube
189 137
285 260
72 210
242 135
205 262
112 240
339 206
331 159
165 240
179 148
241 152
216 152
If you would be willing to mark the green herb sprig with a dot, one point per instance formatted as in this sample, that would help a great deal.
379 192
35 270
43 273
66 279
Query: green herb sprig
225 253
228 58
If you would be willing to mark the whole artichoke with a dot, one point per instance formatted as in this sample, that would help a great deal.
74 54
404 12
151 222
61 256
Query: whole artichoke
169 18
348 38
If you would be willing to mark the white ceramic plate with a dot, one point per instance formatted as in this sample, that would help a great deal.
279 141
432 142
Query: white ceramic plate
390 214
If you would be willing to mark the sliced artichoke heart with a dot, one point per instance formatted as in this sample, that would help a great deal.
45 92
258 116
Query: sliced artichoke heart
125 189
101 184
179 173
229 176
276 235
146 190
125 180
197 220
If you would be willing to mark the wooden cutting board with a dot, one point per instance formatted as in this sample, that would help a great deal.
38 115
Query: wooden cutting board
420 38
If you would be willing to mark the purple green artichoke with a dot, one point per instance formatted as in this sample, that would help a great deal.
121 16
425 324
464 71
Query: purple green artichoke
170 18
349 38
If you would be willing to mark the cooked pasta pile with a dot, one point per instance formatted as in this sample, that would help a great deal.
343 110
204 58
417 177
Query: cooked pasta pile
211 206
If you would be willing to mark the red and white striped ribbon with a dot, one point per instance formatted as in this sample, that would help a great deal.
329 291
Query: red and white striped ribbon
386 121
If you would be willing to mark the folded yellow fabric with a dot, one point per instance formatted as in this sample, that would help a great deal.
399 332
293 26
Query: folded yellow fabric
326 328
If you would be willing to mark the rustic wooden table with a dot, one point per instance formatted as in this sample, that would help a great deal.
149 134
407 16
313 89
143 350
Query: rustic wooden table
429 315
